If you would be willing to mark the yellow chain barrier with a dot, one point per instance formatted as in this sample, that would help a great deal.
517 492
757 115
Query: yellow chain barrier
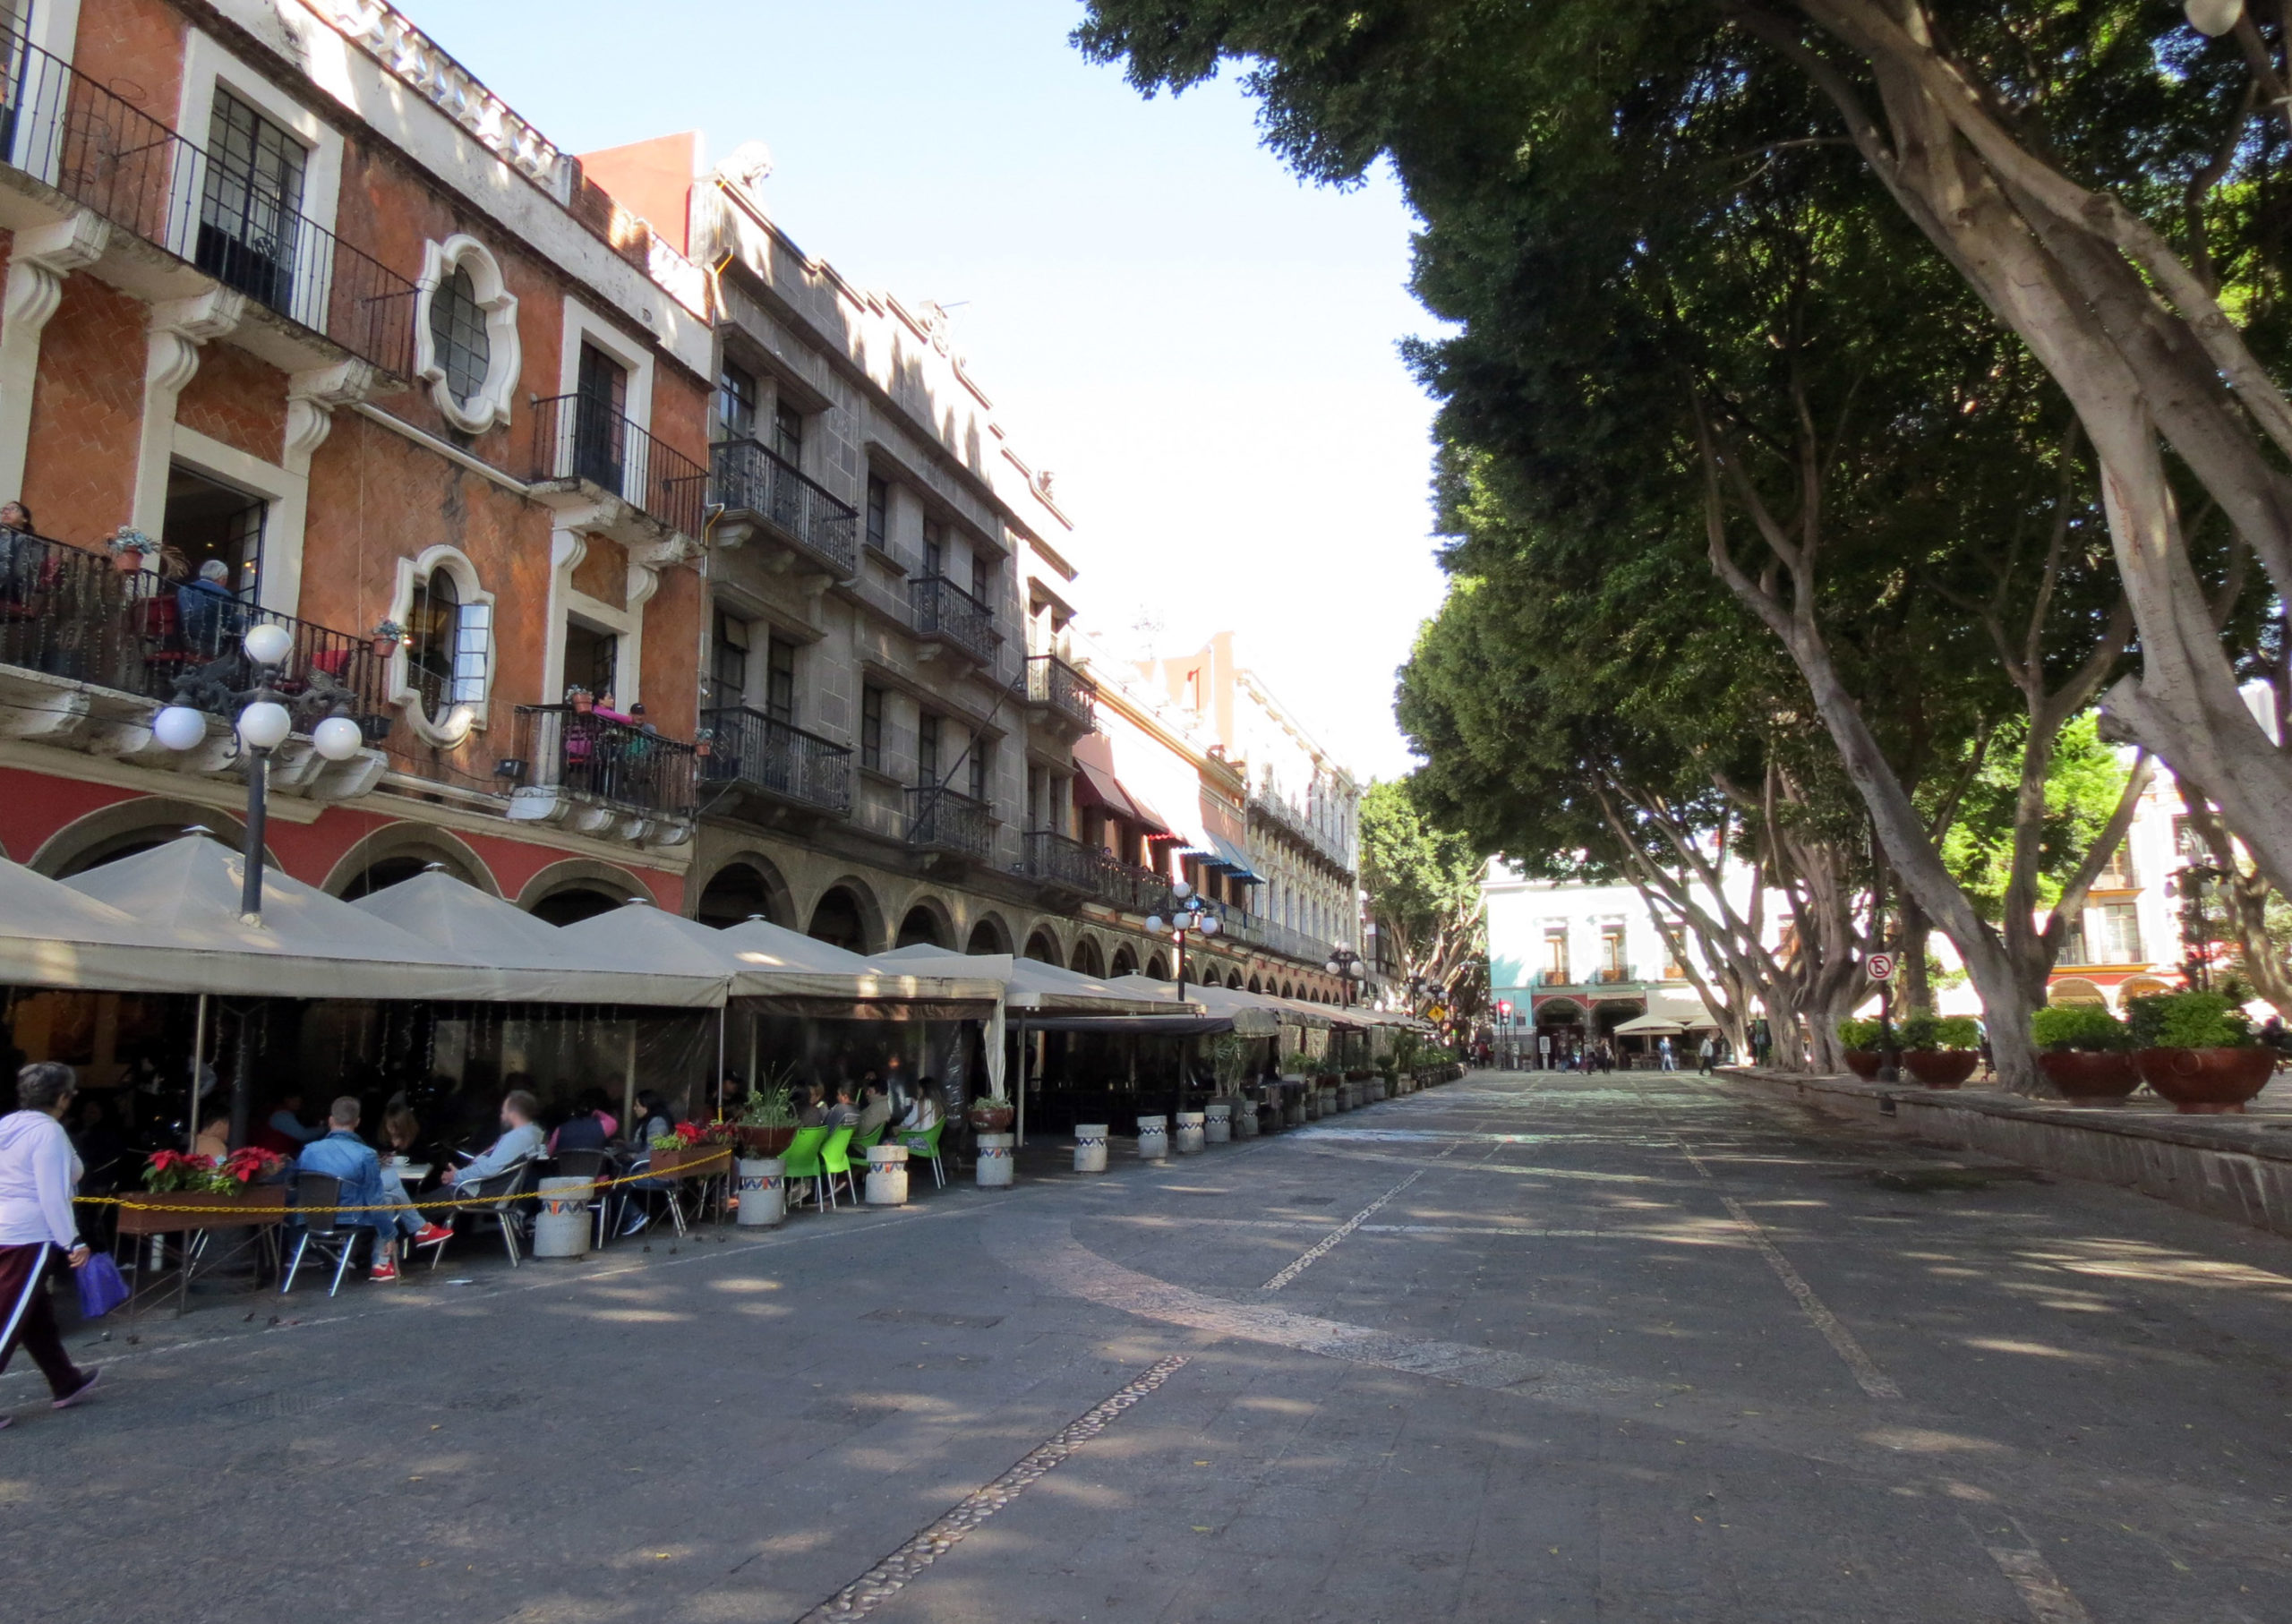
149 1202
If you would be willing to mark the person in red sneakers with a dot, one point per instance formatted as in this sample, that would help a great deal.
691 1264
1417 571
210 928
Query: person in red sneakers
38 1172
367 1183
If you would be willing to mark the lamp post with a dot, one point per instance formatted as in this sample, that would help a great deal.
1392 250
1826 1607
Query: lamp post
1346 965
1187 917
262 725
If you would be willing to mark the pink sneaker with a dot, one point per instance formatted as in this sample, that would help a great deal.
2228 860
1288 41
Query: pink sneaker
79 1393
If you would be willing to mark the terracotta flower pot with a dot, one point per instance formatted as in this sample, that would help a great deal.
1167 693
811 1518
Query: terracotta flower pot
2089 1079
127 563
991 1119
210 1210
384 647
766 1141
1940 1068
2202 1083
1865 1064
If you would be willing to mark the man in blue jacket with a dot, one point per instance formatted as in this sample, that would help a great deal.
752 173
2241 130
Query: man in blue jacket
366 1183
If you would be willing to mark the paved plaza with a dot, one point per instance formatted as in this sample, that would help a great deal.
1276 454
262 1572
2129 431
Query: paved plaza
1521 1348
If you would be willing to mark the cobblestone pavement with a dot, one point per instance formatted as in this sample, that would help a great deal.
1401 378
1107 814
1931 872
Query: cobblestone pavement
1519 1348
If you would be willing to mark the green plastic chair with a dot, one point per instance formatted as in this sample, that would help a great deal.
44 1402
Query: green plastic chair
869 1140
836 1157
802 1158
923 1145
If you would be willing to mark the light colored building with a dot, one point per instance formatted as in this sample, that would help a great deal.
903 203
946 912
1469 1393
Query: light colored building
1575 961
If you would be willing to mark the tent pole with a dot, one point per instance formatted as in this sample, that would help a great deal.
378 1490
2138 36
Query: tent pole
1022 1124
198 1061
720 1061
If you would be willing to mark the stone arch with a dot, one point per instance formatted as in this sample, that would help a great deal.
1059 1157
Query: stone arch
1253 984
1288 991
1234 980
927 923
745 884
1088 960
989 933
1124 962
400 850
579 888
2076 989
1159 967
2141 986
1042 947
848 915
126 828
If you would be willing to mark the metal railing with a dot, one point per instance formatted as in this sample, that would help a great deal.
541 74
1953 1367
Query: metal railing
1055 860
1614 974
1051 682
751 478
69 613
1296 825
109 155
1555 978
747 747
619 763
944 821
579 436
945 610
1260 931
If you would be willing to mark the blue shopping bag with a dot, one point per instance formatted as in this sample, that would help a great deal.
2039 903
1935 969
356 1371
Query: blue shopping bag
101 1289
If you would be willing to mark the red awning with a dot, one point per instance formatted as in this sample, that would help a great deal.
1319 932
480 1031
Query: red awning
1096 785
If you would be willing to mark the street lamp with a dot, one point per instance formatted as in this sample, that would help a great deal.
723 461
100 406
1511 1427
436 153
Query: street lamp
262 725
1188 917
1346 965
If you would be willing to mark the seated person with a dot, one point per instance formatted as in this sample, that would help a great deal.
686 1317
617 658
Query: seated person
927 1112
520 1140
401 1128
654 1118
342 1155
810 1113
284 1132
582 1131
843 1113
875 1106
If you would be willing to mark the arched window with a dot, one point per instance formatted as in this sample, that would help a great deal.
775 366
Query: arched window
457 335
448 638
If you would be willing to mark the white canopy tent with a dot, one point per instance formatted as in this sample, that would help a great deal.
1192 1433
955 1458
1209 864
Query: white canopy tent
1253 1014
639 936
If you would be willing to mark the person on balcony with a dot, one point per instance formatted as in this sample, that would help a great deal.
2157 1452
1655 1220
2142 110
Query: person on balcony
210 610
20 555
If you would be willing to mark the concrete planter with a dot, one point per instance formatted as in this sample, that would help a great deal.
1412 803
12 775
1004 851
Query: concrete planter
999 1166
1217 1122
2090 1079
763 1190
2207 1083
887 1174
1245 1123
1192 1134
1089 1147
1940 1068
1325 1095
1154 1138
561 1227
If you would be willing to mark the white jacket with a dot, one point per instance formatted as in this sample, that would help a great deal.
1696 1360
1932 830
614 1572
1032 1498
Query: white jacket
38 1172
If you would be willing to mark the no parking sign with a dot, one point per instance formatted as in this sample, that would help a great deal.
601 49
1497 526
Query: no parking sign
1880 966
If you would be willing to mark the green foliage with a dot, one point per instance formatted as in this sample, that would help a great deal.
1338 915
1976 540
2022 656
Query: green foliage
767 1106
1861 1034
1940 1032
2083 781
2187 1020
1424 885
2082 1027
1229 1059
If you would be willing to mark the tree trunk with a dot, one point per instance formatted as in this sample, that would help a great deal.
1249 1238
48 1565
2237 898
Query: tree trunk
1917 985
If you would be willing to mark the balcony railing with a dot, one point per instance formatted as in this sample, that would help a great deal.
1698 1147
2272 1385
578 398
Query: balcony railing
110 157
580 437
1051 682
1614 974
751 747
618 763
945 610
940 820
749 478
1296 825
1260 931
68 613
1055 860
1555 978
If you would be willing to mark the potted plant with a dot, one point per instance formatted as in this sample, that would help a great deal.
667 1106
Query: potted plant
990 1114
129 547
704 743
2197 1049
386 635
1941 1051
2085 1052
766 1121
1861 1040
685 1149
198 1193
580 698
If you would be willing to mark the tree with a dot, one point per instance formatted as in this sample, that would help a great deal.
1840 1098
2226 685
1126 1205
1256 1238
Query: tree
1423 887
2108 185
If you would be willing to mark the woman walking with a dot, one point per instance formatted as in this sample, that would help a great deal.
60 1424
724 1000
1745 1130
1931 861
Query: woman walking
38 1171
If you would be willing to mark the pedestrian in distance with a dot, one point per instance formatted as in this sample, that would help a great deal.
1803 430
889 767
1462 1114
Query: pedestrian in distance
38 1174
1704 1053
1663 1046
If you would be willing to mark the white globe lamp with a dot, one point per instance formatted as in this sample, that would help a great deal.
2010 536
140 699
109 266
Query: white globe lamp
264 724
268 643
1210 927
1155 923
2213 18
179 727
338 738
1181 889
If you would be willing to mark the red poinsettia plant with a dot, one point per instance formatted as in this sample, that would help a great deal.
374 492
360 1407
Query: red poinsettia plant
170 1171
248 1166
682 1137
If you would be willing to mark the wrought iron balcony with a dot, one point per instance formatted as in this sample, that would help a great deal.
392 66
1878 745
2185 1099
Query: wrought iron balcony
579 439
755 482
71 613
1062 864
1555 978
1297 827
940 820
1062 690
583 756
1614 974
750 749
65 131
946 613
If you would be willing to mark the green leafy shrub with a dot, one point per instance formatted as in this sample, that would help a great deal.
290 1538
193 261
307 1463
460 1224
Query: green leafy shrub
1921 1033
2187 1020
2085 1027
1861 1034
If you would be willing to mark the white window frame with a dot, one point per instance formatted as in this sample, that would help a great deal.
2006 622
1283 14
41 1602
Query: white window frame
473 635
489 407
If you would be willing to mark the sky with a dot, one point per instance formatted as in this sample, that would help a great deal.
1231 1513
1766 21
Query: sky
1202 349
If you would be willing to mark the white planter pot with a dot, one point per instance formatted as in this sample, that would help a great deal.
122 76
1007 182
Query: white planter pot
1192 1134
999 1166
1218 1125
1154 1138
1089 1147
561 1227
1244 1119
887 1176
1325 1100
763 1191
